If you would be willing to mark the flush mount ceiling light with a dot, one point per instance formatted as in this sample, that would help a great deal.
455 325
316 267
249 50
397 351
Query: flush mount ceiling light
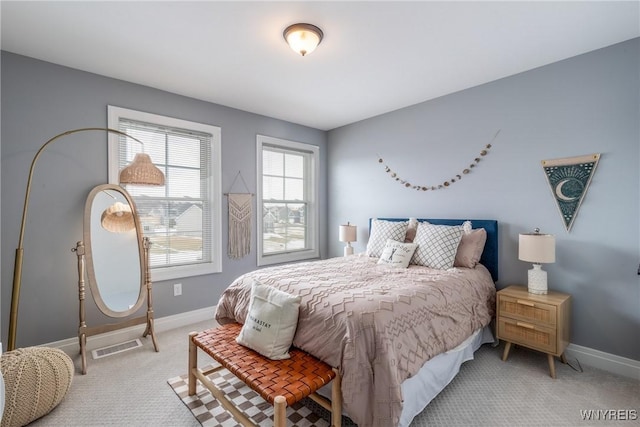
303 38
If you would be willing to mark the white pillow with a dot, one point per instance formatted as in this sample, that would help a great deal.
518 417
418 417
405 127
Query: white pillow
397 254
271 321
381 231
437 245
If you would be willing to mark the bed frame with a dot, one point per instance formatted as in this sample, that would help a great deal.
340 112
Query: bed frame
489 257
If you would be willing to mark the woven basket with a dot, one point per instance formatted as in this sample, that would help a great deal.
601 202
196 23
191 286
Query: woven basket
36 381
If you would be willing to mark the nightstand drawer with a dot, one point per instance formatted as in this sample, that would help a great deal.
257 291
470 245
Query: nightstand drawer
527 334
528 310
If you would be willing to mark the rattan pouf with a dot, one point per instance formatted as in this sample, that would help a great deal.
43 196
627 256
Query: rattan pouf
36 380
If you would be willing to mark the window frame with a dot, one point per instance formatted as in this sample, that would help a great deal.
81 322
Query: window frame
311 183
114 115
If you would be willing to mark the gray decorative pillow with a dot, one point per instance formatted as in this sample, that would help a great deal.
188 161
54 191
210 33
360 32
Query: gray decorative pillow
412 227
437 245
271 321
471 247
381 231
397 254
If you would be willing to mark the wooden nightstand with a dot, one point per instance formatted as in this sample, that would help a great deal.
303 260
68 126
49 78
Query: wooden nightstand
539 322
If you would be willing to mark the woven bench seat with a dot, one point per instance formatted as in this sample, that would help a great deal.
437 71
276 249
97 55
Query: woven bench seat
279 382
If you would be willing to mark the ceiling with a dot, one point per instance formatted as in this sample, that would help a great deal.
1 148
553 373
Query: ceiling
375 57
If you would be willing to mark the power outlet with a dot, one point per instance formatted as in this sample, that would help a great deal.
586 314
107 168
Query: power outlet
177 289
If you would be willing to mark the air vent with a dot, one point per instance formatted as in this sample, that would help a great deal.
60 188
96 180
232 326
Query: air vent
99 353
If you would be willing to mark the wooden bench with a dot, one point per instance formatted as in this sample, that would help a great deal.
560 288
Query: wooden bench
279 382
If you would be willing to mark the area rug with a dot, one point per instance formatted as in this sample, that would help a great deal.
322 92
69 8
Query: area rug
209 412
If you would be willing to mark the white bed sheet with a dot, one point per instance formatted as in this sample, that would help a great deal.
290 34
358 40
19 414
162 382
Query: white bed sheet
437 373
434 376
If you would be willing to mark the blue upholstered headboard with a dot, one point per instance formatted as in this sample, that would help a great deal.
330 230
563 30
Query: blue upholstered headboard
489 257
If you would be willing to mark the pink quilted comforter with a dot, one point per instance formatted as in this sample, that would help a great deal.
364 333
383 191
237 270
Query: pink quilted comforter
377 324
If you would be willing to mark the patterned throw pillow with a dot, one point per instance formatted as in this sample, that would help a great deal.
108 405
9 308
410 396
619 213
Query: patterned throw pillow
271 321
397 254
381 231
437 245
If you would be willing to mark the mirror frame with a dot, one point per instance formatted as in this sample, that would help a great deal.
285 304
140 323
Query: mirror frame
91 275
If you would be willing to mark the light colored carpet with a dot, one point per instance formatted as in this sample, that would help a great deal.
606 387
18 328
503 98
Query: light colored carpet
131 389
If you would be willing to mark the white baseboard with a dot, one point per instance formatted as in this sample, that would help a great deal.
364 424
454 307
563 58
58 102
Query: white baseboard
605 361
587 356
72 347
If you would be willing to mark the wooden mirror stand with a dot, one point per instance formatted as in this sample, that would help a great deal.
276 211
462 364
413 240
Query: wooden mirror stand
138 278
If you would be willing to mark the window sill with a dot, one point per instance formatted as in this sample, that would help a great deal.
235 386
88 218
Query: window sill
288 257
179 272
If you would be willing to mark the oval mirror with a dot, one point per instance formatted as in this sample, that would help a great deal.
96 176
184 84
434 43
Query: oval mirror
113 250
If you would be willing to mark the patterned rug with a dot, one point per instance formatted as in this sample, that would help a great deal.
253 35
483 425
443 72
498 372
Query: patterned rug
209 412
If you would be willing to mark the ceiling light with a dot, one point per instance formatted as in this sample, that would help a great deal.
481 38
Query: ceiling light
303 38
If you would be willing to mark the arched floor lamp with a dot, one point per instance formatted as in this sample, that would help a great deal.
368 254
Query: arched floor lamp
141 171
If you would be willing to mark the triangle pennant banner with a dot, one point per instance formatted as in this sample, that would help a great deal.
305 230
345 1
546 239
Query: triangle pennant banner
569 179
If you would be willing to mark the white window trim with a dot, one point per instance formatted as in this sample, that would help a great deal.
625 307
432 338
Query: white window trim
169 273
312 189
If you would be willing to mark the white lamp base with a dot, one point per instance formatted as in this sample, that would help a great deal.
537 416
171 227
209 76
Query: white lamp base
348 250
537 280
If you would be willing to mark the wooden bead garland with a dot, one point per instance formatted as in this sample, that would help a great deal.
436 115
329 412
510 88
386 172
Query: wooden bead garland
445 184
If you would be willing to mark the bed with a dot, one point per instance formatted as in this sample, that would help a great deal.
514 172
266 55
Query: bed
397 335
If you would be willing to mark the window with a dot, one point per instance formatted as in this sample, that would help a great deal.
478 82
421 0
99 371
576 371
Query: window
182 218
287 200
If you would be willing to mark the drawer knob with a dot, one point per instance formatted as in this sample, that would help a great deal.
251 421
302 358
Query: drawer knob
525 325
527 303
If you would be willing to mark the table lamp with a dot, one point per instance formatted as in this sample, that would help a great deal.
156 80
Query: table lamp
348 234
538 249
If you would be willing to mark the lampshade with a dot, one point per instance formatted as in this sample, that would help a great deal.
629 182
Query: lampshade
141 171
537 248
118 218
348 233
303 38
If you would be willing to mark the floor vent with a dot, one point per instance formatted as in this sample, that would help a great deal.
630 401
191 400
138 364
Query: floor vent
116 348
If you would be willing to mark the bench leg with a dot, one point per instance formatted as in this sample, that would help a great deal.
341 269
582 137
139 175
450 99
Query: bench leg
193 364
280 412
336 400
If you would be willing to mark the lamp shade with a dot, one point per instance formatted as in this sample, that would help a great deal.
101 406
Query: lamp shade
537 248
118 218
141 171
303 38
348 233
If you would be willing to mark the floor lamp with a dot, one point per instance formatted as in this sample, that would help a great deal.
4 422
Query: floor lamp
141 171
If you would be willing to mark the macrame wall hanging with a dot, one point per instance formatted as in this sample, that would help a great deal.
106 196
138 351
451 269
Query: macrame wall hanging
443 184
239 221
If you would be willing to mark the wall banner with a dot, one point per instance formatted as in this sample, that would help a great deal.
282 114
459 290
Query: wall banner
569 179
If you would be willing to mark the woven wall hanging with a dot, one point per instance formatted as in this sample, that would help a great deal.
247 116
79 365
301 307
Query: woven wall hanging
240 208
445 183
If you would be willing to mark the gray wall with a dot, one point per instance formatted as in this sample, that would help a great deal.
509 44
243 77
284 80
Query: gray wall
587 104
40 100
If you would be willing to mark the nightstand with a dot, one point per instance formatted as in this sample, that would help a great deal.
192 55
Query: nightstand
539 322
